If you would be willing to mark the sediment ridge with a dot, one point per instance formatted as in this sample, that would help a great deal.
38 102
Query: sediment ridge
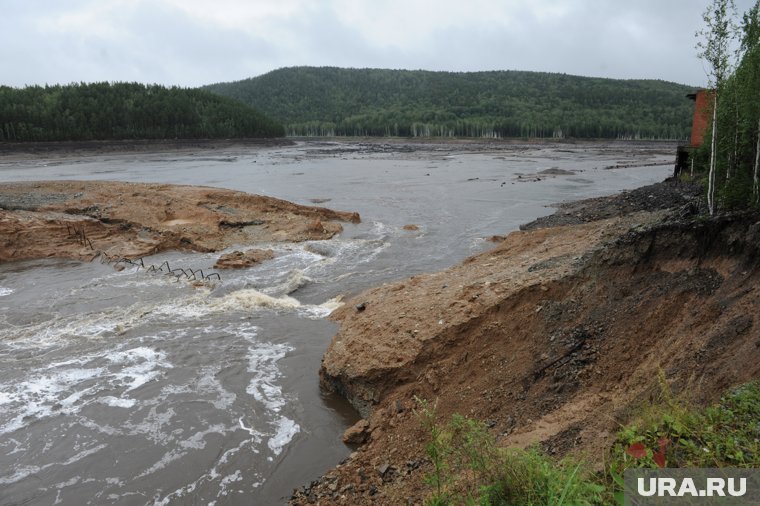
553 338
83 219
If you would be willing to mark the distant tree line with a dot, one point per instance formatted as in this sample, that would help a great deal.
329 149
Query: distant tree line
105 111
730 158
328 101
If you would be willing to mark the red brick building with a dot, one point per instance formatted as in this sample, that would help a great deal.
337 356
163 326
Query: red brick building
703 103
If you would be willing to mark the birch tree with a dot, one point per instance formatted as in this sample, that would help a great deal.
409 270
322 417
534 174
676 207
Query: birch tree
714 48
750 53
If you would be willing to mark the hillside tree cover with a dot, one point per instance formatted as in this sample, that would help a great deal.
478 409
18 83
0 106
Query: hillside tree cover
333 101
106 111
731 160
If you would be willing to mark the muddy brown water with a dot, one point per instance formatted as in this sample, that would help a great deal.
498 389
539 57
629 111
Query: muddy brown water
134 388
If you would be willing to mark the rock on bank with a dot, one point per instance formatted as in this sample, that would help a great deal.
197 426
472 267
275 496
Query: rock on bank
79 219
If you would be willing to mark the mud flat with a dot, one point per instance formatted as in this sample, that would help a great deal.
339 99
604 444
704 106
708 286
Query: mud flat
553 337
32 150
81 220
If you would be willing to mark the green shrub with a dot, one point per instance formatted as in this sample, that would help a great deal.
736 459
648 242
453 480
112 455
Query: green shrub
724 435
468 468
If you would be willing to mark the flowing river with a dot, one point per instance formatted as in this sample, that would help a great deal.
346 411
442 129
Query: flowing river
134 388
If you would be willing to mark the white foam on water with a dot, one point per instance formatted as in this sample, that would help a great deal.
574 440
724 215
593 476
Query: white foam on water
142 366
286 430
244 300
262 363
118 402
51 332
352 252
380 229
195 442
200 306
70 483
212 475
66 387
19 473
152 426
22 472
321 310
250 430
227 480
249 299
4 292
208 384
43 395
296 279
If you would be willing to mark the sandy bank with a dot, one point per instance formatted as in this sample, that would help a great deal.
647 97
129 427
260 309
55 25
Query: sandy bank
80 219
552 338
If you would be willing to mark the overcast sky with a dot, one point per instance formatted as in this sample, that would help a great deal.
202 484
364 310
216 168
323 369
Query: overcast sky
196 42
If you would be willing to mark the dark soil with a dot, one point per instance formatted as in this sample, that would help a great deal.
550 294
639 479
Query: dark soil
670 194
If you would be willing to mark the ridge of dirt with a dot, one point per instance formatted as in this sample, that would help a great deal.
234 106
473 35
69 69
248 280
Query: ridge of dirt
82 219
552 338
670 195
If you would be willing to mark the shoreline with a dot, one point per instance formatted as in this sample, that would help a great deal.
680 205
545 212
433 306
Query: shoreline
78 148
101 147
551 338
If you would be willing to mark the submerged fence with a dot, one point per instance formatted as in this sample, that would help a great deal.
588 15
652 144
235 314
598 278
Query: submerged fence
165 268
79 234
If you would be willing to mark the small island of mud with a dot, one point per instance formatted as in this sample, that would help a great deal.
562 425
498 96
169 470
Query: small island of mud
83 219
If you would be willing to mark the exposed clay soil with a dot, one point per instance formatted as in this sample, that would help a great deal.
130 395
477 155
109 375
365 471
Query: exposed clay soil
83 219
554 337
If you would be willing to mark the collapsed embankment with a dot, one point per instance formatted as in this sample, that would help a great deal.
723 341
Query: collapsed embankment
82 219
553 338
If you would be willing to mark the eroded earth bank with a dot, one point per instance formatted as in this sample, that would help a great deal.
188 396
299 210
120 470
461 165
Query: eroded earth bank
81 220
554 337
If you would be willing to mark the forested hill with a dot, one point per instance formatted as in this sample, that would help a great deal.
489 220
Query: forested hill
105 111
335 101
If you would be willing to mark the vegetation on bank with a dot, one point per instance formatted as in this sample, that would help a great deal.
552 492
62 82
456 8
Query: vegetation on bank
469 468
114 111
327 101
729 160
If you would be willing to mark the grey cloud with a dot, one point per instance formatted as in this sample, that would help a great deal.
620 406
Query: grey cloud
157 43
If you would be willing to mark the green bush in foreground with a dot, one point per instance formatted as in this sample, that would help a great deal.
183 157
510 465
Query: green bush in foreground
468 467
671 434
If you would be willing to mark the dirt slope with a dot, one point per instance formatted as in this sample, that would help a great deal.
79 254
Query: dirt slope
554 337
79 219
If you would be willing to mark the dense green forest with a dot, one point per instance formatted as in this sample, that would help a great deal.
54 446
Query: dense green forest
733 163
105 111
335 101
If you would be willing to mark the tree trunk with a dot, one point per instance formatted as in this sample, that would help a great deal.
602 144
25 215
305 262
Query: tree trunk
713 142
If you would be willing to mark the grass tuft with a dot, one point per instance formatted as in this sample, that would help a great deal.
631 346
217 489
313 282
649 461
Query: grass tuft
469 468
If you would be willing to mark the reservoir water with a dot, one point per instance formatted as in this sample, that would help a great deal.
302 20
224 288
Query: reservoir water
134 388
